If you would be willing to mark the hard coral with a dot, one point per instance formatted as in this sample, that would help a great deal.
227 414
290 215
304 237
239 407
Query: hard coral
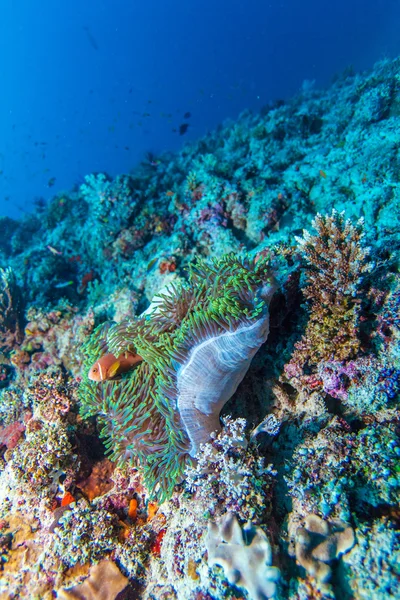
320 542
336 262
197 344
338 473
105 582
245 555
230 475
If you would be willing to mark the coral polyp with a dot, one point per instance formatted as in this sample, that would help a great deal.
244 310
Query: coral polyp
197 342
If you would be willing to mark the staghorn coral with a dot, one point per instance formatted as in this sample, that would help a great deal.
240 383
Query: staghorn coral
336 262
245 555
197 342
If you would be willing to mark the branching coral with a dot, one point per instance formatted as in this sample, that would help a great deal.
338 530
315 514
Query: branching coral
229 478
196 344
230 475
336 261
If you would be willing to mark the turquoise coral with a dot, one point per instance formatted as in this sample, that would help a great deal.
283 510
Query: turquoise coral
197 343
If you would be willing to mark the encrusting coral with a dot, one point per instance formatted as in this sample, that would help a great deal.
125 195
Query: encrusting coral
245 555
197 343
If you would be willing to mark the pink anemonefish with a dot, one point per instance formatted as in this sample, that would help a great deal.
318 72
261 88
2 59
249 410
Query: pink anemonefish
109 366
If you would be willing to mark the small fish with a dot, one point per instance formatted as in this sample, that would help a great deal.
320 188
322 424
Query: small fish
90 38
322 173
152 263
187 115
51 182
63 284
108 366
54 251
183 128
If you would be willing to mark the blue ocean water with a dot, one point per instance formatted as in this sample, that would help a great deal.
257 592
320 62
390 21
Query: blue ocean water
94 86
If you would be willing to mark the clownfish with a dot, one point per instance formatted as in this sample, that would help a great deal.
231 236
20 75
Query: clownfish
109 366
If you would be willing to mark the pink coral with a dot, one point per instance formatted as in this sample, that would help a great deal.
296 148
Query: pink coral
10 435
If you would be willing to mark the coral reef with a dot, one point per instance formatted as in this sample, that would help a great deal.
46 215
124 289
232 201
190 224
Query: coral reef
230 475
299 435
372 566
336 263
229 478
82 534
10 309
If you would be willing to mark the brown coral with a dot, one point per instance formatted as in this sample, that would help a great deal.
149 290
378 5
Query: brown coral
319 542
105 582
336 262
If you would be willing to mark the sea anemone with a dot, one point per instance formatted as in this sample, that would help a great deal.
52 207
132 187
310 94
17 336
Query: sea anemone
197 342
